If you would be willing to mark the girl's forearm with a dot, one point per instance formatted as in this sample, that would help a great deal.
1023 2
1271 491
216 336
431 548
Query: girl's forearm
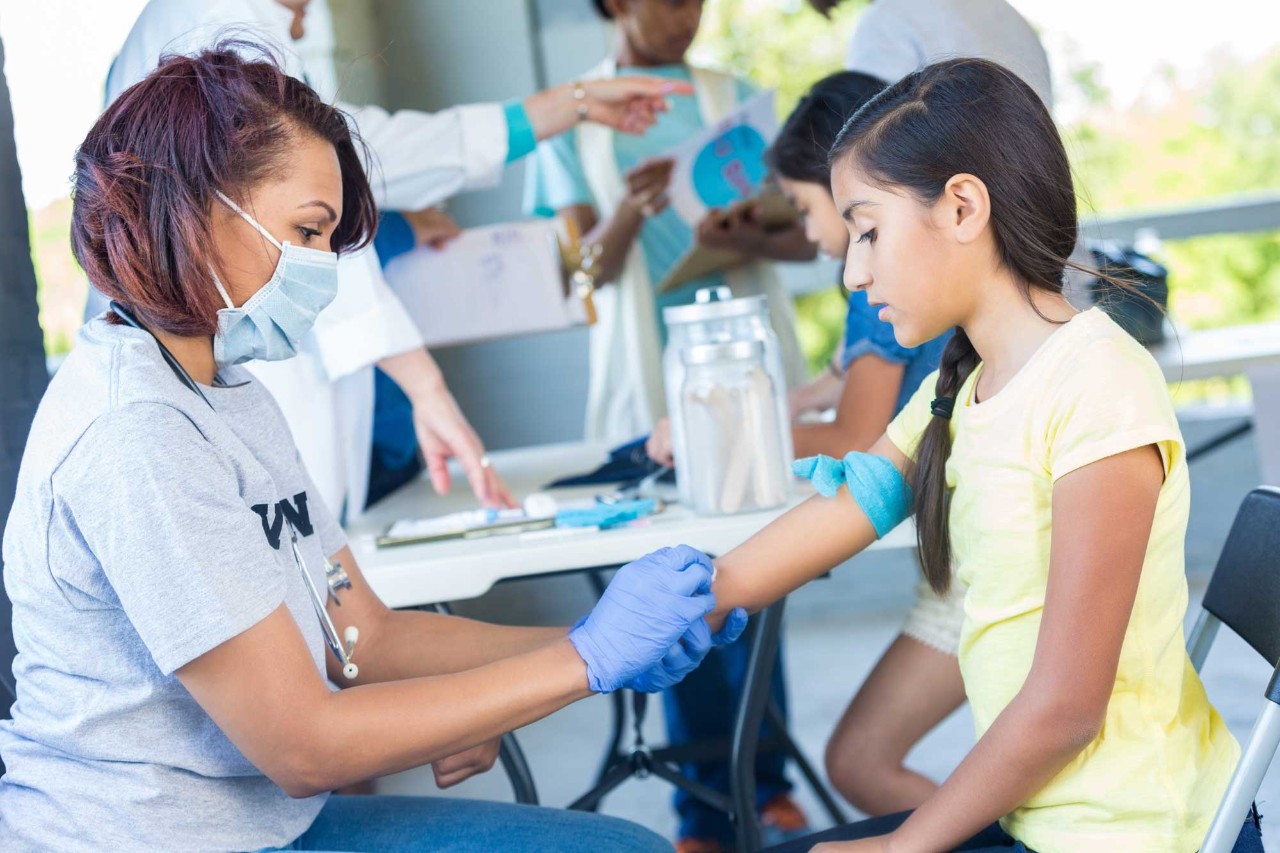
803 544
832 439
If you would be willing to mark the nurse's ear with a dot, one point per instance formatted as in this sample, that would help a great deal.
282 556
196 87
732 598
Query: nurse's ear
964 208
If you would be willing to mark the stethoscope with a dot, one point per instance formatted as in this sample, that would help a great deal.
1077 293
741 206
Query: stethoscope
336 578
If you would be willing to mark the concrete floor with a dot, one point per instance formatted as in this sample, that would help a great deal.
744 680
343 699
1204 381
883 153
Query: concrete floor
836 630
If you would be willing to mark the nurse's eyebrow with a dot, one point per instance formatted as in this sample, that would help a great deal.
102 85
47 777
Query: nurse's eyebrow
847 213
333 214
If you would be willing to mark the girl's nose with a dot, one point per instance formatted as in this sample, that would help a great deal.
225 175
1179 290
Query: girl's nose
856 276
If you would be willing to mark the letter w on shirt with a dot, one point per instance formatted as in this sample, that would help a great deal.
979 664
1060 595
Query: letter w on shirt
296 512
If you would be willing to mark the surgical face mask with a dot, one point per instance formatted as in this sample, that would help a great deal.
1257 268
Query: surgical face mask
271 324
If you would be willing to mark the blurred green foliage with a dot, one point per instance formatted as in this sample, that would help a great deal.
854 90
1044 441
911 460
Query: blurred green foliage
1216 137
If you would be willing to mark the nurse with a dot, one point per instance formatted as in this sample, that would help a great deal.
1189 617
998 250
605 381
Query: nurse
166 542
419 159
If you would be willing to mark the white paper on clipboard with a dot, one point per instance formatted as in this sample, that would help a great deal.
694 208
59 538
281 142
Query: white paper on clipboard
725 162
496 281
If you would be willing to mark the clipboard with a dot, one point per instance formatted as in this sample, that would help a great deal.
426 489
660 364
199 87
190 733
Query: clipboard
492 282
474 524
776 213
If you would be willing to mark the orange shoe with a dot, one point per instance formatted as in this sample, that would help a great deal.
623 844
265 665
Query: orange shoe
782 819
699 845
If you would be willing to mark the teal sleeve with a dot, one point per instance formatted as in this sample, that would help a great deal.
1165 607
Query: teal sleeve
554 178
874 482
520 137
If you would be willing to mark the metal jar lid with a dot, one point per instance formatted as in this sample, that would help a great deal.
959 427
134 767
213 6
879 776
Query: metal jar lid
717 353
742 306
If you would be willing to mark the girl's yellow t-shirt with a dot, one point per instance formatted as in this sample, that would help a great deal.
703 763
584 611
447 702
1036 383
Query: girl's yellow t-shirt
1153 778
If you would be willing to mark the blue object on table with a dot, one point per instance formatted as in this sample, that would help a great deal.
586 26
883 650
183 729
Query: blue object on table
606 516
627 462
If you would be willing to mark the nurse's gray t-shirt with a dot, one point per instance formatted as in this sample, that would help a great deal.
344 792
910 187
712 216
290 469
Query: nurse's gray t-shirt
147 529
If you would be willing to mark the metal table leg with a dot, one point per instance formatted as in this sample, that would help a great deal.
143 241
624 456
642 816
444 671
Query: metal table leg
746 726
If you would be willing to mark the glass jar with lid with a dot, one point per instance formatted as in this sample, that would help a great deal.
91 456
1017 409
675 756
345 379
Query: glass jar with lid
716 317
735 455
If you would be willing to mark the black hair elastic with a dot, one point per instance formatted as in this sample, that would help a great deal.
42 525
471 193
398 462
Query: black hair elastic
943 406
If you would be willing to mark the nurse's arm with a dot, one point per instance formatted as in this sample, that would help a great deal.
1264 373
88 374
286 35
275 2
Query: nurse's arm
263 691
803 544
1095 564
395 644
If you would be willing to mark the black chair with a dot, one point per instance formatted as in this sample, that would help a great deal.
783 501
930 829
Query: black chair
1244 595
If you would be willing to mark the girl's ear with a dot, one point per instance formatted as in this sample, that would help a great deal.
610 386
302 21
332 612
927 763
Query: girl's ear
965 207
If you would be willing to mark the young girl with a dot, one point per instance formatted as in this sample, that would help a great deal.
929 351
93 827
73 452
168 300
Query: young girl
1043 461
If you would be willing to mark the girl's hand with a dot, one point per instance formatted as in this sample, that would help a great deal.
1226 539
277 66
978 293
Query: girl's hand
659 444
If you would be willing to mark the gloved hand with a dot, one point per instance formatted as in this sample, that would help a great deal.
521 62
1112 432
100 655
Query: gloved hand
684 657
645 610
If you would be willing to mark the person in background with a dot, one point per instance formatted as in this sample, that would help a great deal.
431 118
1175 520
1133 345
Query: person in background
916 683
396 458
614 188
892 38
418 160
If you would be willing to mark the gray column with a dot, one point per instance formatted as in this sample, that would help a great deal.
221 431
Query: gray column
22 367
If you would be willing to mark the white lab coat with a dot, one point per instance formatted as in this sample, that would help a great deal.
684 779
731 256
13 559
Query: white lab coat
419 159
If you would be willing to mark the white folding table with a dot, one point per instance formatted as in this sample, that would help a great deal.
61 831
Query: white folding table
435 574
1253 351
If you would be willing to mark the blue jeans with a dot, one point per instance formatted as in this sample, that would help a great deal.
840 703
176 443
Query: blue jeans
442 825
993 839
702 708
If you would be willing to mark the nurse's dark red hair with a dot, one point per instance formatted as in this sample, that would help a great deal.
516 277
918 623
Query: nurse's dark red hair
146 176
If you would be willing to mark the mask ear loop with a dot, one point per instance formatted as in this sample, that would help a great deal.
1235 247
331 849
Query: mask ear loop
247 218
222 291
217 282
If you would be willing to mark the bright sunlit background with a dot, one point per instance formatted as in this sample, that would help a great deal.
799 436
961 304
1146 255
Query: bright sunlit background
1161 105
